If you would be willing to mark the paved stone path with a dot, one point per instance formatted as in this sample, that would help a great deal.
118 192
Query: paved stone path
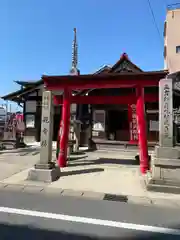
96 175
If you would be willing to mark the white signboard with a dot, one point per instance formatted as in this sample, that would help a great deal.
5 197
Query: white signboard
99 120
30 121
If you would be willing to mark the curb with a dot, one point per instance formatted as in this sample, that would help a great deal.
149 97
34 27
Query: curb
128 199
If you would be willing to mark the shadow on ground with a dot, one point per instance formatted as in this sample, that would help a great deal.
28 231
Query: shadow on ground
9 232
77 158
78 153
21 150
81 171
73 162
24 151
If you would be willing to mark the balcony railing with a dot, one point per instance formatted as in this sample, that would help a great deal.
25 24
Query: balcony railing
173 6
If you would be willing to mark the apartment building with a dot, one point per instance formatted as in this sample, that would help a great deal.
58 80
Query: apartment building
172 39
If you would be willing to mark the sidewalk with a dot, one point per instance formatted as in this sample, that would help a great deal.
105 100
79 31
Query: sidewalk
97 175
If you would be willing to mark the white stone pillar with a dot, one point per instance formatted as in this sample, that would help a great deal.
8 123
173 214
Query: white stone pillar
46 128
165 175
46 170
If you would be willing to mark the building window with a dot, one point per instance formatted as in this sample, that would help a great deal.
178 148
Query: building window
178 49
165 27
165 52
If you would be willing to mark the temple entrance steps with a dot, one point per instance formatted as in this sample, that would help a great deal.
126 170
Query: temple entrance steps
121 148
123 153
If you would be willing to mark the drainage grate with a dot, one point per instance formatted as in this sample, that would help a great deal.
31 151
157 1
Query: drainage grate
117 198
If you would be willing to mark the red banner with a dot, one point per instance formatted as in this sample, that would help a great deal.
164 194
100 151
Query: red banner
133 127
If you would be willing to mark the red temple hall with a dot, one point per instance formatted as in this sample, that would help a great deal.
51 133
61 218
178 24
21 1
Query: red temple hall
118 101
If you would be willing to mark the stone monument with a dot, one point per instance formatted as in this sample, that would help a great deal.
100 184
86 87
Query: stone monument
165 176
46 170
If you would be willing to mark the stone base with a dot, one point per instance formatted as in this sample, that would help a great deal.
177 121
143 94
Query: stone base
167 152
44 175
163 186
165 175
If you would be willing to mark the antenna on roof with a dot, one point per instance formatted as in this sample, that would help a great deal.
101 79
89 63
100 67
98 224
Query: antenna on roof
74 70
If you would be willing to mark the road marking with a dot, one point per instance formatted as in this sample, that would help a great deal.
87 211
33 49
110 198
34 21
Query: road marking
93 221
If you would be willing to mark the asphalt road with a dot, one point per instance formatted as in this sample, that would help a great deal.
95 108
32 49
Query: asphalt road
38 216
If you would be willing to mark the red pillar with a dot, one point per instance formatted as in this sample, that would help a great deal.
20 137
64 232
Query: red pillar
64 126
144 163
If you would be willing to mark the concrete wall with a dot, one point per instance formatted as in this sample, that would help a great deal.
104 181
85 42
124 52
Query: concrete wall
172 40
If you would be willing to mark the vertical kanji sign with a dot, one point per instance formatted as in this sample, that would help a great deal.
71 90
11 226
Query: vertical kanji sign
132 116
46 127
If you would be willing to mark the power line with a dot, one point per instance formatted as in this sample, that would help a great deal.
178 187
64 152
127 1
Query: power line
157 28
155 23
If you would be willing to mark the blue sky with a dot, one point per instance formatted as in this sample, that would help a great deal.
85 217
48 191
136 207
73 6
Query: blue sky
36 36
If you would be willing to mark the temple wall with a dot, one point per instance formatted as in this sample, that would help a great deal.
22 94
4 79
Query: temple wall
32 119
32 115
